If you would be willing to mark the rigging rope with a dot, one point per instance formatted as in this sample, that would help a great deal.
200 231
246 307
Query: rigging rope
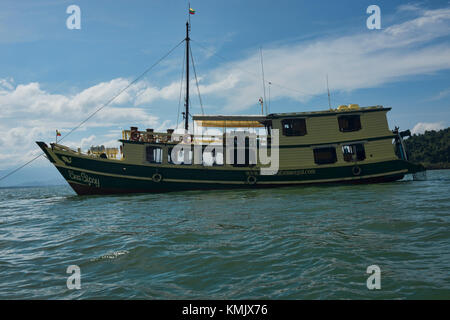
196 81
264 81
181 90
103 106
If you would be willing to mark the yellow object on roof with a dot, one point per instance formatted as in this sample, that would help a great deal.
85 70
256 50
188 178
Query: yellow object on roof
229 124
236 121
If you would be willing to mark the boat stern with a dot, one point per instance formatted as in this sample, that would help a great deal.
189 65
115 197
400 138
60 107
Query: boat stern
415 168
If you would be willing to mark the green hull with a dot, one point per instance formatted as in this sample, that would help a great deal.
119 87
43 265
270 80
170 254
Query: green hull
96 176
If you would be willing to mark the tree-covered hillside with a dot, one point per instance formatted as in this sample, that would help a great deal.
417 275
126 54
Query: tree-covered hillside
432 149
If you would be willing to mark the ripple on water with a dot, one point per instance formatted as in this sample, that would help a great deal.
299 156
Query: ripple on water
288 243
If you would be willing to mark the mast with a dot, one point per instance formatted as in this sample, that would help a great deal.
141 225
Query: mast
186 120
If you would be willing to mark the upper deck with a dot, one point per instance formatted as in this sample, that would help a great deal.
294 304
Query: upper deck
297 128
303 138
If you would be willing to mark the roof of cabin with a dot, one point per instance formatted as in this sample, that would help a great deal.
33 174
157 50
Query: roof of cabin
326 112
229 118
242 121
256 120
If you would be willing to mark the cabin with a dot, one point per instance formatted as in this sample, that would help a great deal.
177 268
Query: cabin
335 137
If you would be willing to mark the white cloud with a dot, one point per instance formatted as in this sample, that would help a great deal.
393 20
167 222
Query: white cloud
364 60
421 127
147 94
86 142
409 7
442 94
30 113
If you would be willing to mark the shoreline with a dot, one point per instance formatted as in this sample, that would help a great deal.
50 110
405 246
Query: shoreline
437 166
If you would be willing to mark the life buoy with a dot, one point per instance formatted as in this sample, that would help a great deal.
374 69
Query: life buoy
134 136
187 139
157 177
251 180
356 171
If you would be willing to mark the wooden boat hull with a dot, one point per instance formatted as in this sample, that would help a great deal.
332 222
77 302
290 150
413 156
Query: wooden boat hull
89 176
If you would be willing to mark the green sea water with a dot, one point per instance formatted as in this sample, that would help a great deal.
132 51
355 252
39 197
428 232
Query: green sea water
312 242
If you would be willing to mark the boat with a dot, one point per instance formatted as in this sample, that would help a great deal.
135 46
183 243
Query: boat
344 145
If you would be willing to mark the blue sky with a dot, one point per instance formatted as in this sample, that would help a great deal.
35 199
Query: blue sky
52 77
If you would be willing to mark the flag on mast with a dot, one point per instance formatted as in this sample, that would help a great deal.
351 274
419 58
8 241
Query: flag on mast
58 134
191 11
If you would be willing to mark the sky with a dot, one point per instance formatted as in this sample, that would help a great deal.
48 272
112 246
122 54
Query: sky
53 77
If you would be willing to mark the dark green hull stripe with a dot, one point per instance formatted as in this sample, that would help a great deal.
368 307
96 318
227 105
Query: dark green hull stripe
168 187
336 142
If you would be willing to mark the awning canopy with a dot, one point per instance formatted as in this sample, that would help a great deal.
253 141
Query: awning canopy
228 124
218 121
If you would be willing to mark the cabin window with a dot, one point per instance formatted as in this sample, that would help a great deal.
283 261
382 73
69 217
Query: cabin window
269 127
185 155
169 156
246 153
354 152
349 123
213 158
218 159
154 154
325 155
294 127
179 156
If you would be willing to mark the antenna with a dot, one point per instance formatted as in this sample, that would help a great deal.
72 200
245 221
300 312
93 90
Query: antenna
264 82
328 89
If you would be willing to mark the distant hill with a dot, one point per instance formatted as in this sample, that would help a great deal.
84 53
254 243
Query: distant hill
432 149
32 176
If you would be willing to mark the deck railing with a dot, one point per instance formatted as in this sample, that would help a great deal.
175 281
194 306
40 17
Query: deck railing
150 136
171 137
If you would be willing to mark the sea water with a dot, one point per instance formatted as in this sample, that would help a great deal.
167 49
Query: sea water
313 242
